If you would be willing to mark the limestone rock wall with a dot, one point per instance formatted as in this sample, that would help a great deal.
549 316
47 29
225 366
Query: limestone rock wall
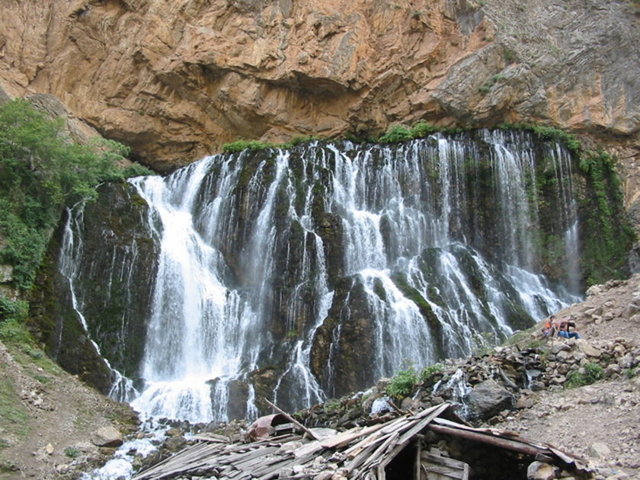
175 80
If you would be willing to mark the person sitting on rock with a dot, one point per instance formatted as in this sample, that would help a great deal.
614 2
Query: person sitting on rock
549 329
566 331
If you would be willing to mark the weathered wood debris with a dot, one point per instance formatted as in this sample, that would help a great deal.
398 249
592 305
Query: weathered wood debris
359 453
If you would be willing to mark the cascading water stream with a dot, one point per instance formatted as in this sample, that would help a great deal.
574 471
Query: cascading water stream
199 329
122 388
301 274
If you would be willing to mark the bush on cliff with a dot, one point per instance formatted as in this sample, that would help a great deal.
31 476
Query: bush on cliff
41 171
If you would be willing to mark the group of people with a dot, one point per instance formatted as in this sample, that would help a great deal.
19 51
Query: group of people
562 328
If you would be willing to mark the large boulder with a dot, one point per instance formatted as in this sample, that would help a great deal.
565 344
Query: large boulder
488 398
106 437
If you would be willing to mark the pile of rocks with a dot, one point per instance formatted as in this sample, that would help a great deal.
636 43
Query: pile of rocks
487 388
503 387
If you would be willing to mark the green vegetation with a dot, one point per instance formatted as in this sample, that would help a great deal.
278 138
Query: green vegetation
240 145
12 315
509 55
604 255
332 405
13 415
604 249
592 373
545 132
400 133
401 385
71 452
395 134
12 309
427 373
403 382
486 87
41 171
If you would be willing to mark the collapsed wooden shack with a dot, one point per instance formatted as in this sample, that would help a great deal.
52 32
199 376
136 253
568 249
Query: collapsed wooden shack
409 447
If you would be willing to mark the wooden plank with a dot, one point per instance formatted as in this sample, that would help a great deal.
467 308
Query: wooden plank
258 461
359 459
292 420
378 436
258 452
380 452
195 451
440 460
398 424
211 437
444 471
427 411
490 440
386 428
466 472
489 431
424 421
345 438
441 474
307 449
371 440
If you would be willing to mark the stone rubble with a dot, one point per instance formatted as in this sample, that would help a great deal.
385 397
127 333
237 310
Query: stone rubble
530 383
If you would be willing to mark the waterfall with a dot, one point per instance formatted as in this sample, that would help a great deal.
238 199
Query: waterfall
72 251
305 273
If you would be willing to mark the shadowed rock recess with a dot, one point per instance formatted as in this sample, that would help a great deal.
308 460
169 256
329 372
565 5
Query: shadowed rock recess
175 80
299 274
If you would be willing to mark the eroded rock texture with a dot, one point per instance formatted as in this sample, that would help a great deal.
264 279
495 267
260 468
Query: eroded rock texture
177 79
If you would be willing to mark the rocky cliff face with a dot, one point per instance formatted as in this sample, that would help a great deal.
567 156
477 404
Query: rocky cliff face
177 79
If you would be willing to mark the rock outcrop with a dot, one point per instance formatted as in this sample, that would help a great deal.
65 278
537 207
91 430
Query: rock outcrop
175 81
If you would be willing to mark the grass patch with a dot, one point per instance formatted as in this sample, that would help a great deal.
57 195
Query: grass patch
590 373
72 452
13 414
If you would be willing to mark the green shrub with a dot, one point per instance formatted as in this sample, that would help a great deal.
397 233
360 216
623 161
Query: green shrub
429 372
396 133
592 373
604 255
422 129
41 171
12 309
136 170
401 385
486 87
14 332
71 452
240 145
509 55
300 139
